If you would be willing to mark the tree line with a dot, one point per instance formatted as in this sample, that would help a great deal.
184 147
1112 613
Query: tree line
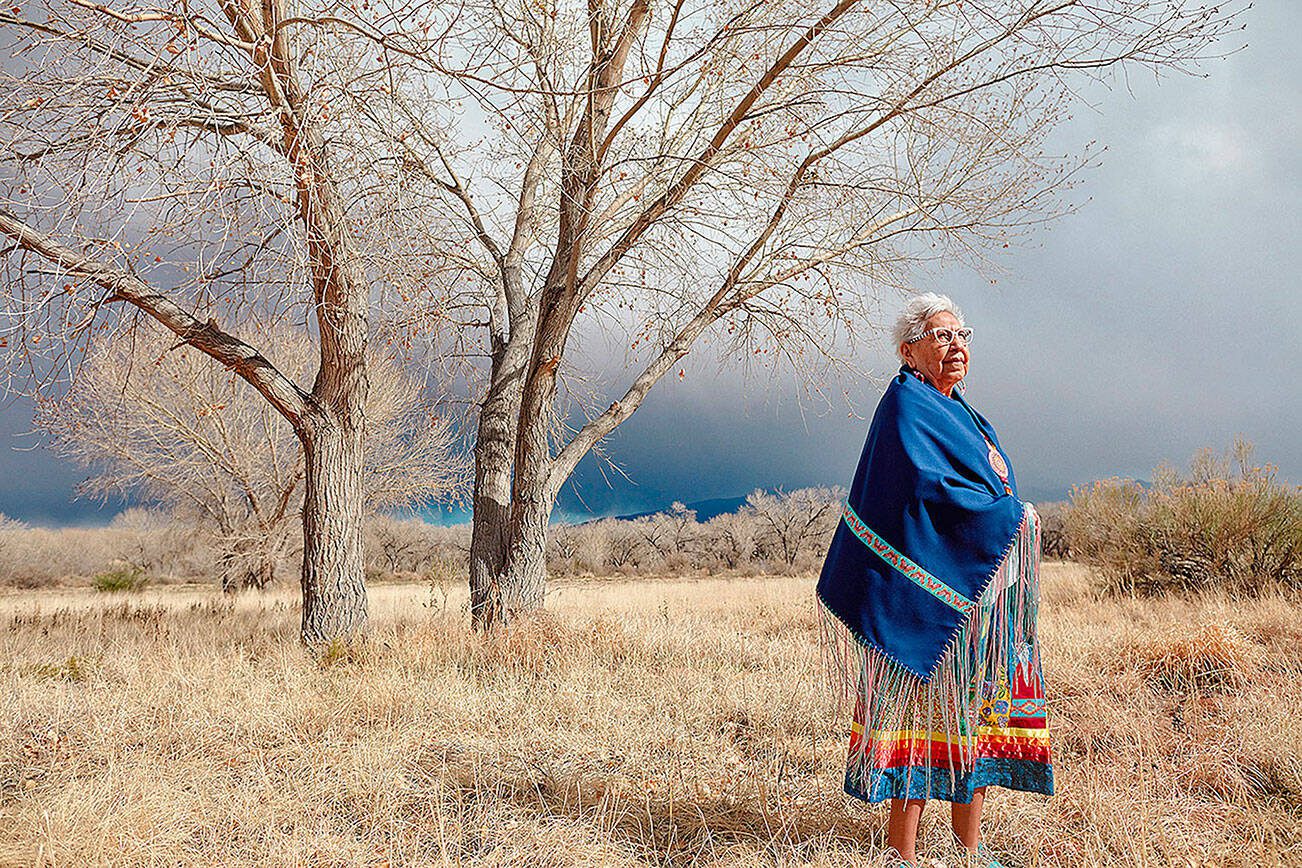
773 532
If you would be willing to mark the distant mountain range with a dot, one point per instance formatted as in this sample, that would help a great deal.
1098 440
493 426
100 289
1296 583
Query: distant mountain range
708 509
705 509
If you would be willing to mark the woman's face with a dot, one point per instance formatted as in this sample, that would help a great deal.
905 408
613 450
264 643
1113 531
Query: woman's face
942 364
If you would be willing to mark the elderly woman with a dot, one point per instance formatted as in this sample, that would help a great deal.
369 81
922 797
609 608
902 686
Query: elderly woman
929 595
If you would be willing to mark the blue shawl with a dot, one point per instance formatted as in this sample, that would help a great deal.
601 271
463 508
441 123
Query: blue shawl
925 526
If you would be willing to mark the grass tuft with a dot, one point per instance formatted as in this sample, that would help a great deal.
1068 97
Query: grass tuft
120 579
73 669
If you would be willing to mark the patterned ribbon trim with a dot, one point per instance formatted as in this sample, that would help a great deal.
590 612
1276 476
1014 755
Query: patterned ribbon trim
907 568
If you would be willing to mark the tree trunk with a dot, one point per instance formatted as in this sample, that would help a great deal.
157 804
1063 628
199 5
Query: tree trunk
490 532
524 574
508 544
334 588
494 453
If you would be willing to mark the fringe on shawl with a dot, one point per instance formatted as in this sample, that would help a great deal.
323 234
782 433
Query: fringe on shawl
947 705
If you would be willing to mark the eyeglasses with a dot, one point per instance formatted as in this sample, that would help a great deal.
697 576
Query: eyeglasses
945 336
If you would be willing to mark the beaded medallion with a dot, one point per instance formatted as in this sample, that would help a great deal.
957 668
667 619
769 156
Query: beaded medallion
997 462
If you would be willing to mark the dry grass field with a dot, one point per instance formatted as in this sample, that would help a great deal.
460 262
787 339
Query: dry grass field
645 722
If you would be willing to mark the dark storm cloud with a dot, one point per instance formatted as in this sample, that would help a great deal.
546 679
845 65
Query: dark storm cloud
1161 317
37 487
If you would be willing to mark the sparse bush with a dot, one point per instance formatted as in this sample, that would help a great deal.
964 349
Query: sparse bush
1228 523
441 574
124 578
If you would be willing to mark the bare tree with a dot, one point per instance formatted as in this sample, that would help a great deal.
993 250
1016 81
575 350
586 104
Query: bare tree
583 546
789 522
655 533
753 173
401 544
732 537
593 549
565 541
171 427
683 526
145 540
193 163
623 542
670 532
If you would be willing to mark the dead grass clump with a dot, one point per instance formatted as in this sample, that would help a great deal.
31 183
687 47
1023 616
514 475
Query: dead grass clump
538 644
533 644
1278 628
339 652
1212 655
1218 775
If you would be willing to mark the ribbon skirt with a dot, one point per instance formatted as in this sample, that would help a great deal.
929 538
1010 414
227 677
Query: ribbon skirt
980 721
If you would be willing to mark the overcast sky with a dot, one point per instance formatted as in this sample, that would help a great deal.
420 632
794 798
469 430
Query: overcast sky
1161 317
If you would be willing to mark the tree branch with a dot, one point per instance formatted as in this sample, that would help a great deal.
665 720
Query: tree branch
156 67
675 193
290 401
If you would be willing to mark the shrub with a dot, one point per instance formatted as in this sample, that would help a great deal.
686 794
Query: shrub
123 578
1227 523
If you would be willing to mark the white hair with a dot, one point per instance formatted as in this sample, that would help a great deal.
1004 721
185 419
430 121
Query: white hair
917 310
